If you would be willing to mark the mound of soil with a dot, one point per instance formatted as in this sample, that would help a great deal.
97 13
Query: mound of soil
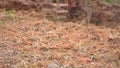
103 13
106 14
20 4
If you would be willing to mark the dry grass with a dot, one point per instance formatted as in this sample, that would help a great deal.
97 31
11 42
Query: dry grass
26 41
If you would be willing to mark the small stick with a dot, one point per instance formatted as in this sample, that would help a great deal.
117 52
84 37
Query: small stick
88 11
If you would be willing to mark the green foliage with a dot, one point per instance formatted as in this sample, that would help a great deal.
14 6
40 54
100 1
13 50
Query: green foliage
110 1
114 65
107 56
10 14
1 22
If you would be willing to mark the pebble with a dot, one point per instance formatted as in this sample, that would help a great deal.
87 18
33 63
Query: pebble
52 65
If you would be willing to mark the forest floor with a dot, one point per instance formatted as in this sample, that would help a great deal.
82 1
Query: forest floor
28 41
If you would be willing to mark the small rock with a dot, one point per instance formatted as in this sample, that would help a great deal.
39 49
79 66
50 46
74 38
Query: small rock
33 39
52 65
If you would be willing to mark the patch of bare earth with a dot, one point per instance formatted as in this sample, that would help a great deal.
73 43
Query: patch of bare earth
35 43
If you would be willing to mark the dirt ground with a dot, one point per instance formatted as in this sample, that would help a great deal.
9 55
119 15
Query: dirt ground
28 41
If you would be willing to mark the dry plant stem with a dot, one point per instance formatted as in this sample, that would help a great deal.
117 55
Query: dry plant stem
57 11
89 14
88 11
